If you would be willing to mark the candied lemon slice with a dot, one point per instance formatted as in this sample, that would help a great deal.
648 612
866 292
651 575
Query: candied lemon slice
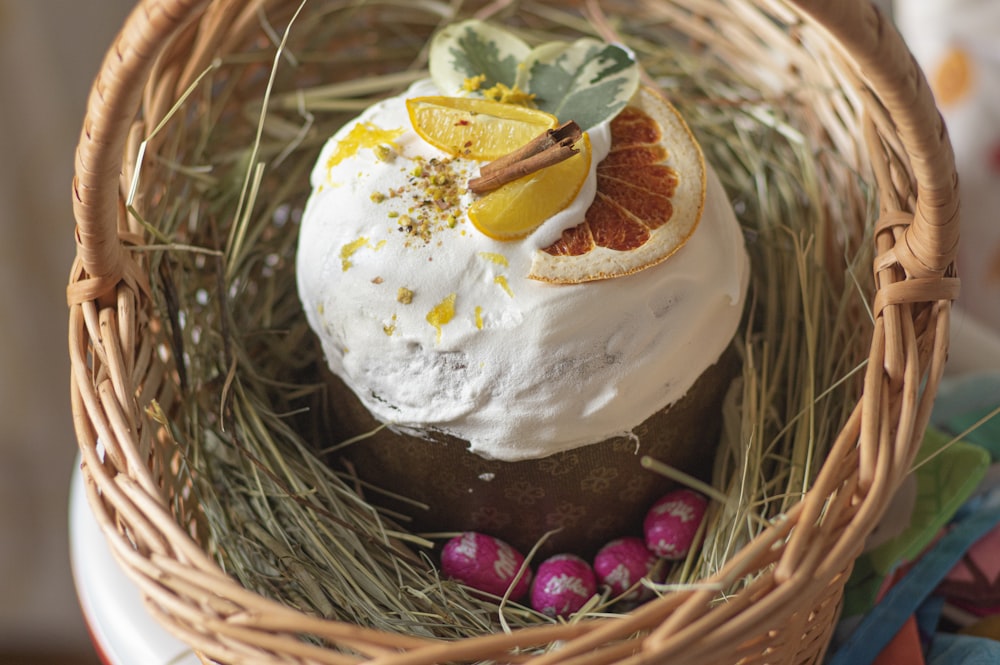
519 207
475 128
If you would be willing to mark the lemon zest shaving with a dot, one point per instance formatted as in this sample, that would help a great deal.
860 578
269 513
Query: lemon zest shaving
509 95
473 83
493 257
442 314
362 135
501 281
349 250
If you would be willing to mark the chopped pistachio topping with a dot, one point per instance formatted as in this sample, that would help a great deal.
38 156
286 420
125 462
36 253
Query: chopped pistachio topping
435 189
385 152
390 328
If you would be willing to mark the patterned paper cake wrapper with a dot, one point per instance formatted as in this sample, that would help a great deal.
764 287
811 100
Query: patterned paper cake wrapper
588 496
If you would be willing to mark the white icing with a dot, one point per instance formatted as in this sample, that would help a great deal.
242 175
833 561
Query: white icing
553 367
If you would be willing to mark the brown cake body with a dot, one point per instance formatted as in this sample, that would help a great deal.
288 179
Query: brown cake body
587 496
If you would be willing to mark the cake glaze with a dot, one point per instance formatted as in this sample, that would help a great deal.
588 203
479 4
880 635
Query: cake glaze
436 327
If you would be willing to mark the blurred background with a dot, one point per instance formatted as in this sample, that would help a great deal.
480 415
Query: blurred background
50 51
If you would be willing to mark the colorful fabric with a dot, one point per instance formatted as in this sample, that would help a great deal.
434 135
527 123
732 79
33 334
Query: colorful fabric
900 603
946 555
950 649
976 578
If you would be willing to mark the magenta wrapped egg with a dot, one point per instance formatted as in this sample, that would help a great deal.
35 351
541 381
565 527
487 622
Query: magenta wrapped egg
620 565
563 584
486 564
672 523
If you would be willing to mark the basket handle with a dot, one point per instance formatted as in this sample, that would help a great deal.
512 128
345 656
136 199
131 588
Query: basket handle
928 246
112 107
926 249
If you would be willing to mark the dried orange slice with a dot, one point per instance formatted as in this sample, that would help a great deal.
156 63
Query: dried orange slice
650 197
519 207
475 128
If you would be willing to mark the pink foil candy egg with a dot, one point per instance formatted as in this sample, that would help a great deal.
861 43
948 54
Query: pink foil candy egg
620 565
485 563
671 524
563 584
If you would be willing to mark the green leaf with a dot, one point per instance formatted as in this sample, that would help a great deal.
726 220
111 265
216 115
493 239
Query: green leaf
946 477
587 81
472 48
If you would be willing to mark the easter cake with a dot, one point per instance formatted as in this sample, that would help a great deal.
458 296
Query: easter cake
525 279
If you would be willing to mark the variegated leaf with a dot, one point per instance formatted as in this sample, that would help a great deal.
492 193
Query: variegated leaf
473 48
587 81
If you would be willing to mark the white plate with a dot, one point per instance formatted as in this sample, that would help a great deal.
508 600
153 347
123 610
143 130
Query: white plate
124 633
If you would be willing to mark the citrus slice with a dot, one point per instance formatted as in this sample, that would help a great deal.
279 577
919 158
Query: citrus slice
519 207
650 197
475 128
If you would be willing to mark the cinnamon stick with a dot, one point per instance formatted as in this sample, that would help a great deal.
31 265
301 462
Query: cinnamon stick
550 147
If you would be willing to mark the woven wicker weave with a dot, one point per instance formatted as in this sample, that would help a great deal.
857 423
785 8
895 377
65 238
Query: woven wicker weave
884 112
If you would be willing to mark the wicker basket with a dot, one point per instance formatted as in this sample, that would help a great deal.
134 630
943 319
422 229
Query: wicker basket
883 111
